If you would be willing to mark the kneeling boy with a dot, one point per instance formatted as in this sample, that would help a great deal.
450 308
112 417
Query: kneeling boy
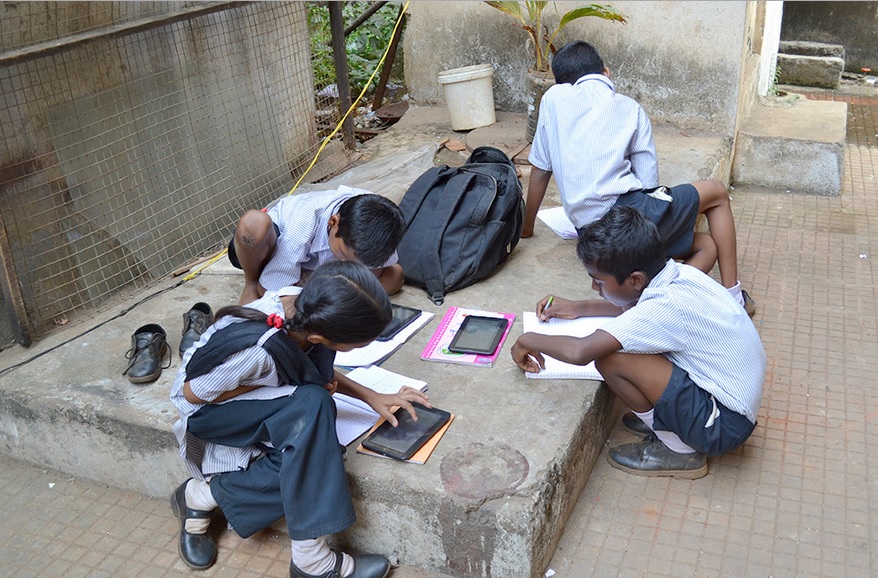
302 232
681 352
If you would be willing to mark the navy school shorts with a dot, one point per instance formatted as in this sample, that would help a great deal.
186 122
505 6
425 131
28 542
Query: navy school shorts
675 220
701 422
233 256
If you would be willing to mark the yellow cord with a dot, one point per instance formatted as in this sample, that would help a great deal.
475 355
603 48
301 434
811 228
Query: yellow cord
326 140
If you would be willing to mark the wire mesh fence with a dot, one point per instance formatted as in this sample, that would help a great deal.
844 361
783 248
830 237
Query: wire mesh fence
133 150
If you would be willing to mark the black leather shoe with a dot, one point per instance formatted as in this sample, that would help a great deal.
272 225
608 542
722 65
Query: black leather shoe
195 322
365 566
149 344
749 304
197 550
653 458
635 424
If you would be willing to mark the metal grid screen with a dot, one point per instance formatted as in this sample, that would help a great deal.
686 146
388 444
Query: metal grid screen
130 155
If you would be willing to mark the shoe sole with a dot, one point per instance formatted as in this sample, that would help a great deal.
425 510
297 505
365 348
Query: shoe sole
682 474
145 378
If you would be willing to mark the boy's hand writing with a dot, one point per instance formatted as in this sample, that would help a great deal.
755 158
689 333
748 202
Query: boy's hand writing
551 306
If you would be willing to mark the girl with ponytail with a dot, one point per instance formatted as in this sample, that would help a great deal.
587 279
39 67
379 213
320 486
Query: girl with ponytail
258 384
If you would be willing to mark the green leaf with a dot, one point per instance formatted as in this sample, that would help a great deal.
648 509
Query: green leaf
511 8
598 10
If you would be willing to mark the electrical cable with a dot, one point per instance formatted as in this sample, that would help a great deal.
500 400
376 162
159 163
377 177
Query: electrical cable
326 140
89 330
223 252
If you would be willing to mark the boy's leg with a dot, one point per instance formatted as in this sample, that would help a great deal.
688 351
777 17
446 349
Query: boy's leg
714 204
639 381
254 244
704 253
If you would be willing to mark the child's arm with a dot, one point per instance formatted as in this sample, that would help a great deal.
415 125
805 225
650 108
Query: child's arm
528 350
382 402
225 380
642 156
391 277
194 399
565 309
536 190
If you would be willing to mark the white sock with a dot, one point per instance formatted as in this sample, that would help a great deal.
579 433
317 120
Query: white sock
669 438
315 557
673 441
735 290
198 497
645 417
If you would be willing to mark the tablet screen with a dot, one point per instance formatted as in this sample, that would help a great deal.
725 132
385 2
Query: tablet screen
402 316
404 440
479 335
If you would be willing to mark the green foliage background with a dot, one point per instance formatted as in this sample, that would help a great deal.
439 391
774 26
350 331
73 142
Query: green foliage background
364 46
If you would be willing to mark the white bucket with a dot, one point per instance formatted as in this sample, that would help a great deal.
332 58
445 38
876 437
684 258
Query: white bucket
469 95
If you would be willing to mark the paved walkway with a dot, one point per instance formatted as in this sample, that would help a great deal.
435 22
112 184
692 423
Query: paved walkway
797 500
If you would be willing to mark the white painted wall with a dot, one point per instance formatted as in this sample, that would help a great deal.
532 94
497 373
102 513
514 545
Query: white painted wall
680 60
770 44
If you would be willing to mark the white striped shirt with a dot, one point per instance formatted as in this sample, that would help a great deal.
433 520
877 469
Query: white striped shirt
597 143
303 242
697 324
251 366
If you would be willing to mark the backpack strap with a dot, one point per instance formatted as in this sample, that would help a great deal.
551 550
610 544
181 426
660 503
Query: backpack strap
411 202
431 267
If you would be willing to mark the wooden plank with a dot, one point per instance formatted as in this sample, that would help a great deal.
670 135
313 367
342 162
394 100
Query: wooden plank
12 296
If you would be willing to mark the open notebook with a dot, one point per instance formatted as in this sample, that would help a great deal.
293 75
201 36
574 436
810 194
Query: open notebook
355 417
581 327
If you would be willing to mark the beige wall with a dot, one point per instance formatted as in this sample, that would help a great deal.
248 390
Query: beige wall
681 60
126 157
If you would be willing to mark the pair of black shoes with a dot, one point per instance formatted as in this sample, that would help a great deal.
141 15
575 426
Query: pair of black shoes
149 344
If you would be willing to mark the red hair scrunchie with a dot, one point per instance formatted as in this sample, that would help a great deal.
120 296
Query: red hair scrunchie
275 320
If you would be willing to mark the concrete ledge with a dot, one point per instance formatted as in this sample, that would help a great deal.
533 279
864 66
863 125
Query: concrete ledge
806 48
493 499
792 144
802 70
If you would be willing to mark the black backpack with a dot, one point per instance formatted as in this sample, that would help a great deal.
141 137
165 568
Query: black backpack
462 222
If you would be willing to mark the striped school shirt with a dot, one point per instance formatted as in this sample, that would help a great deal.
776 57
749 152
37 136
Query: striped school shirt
697 324
251 366
303 243
597 143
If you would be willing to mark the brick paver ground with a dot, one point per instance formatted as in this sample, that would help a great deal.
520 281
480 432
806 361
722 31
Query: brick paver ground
799 499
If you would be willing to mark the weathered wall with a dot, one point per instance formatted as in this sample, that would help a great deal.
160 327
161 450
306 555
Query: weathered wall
126 157
680 60
851 24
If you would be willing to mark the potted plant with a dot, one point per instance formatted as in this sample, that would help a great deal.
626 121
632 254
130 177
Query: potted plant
541 44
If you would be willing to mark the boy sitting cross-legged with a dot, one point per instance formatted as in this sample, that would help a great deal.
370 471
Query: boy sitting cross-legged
681 352
598 145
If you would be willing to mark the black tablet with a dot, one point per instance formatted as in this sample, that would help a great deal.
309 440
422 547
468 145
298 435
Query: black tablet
402 441
402 316
479 335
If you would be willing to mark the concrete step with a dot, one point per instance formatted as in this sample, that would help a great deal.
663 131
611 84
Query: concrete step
491 501
792 144
802 63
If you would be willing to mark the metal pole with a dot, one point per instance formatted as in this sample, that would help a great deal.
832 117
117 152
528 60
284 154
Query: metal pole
336 25
388 63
